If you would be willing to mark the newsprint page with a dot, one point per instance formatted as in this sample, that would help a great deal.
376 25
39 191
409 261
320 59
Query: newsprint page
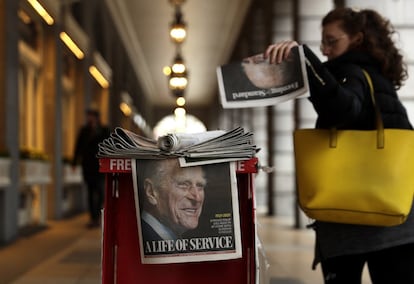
254 82
186 214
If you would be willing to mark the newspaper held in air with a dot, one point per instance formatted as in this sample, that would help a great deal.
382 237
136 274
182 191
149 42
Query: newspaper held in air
254 82
191 148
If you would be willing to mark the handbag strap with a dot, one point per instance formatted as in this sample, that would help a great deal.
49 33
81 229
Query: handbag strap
378 118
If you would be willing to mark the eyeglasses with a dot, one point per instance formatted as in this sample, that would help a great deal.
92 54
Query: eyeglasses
330 42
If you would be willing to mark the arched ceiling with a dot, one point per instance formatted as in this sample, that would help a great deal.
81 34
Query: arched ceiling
213 28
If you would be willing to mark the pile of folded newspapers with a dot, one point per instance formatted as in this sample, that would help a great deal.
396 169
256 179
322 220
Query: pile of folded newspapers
205 147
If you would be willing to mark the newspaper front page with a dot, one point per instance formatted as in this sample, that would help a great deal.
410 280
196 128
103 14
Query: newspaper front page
254 82
186 214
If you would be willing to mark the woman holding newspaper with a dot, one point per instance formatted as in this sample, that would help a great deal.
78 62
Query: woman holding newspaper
352 41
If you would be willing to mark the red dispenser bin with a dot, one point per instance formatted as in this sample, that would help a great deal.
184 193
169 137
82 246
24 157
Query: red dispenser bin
121 262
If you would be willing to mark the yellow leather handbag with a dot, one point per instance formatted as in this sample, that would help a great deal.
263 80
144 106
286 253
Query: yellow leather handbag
361 177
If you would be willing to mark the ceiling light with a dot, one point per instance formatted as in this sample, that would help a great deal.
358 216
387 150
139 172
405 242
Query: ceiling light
41 11
178 28
178 65
166 70
180 101
99 77
72 45
179 112
178 82
177 72
125 108
178 77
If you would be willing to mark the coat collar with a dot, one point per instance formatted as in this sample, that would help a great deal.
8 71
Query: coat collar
362 59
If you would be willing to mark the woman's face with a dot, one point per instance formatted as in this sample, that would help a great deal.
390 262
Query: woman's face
335 41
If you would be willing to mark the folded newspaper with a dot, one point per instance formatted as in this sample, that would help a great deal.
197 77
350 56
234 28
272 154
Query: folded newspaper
191 149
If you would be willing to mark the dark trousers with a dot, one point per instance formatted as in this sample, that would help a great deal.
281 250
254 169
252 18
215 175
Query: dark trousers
95 183
389 266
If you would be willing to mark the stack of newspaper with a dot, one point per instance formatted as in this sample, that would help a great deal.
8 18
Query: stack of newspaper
191 149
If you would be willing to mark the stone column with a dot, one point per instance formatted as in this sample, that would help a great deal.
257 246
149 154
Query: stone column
9 138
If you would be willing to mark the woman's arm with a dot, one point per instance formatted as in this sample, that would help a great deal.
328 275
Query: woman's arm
337 100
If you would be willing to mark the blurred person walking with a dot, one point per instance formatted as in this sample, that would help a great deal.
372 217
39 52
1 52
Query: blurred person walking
86 149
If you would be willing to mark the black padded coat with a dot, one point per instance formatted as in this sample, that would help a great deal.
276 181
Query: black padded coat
340 95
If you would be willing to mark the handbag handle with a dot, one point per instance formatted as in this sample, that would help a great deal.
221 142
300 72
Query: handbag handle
379 123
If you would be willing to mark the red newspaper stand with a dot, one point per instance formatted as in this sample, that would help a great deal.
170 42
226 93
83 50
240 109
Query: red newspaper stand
121 263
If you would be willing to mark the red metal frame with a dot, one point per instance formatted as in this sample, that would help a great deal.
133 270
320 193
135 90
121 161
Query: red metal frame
121 263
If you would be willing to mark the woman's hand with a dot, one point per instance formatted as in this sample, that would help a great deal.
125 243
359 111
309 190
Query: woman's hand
278 52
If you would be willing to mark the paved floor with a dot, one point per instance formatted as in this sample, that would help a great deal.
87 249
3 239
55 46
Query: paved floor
69 253
64 253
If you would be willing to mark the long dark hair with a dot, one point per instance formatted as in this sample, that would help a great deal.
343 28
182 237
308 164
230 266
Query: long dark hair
377 39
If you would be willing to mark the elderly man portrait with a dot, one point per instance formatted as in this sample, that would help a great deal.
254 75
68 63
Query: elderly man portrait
171 198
